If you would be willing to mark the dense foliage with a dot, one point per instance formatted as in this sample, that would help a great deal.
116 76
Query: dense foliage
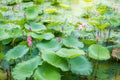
59 39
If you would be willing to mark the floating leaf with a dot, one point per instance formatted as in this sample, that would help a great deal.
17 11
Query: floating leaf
78 33
17 52
57 26
53 45
26 69
68 29
14 33
114 21
31 12
102 26
102 9
39 1
102 71
46 36
6 41
27 5
46 72
10 31
69 53
3 34
98 52
53 59
89 42
72 42
80 65
35 27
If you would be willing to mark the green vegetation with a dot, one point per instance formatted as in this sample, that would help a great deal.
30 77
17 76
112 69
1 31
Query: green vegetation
59 39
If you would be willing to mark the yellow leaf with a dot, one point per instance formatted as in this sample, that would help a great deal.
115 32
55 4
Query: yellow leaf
87 0
51 10
64 6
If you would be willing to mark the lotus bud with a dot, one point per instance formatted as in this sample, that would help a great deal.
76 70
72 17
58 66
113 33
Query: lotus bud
24 14
62 28
30 29
59 39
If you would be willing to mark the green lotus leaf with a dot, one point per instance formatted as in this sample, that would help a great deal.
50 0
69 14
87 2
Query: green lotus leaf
9 26
102 26
53 45
2 56
80 65
46 36
78 33
6 41
39 1
10 31
15 32
98 52
26 69
31 12
72 42
16 52
1 16
3 8
18 1
57 26
53 59
27 5
46 72
3 34
69 53
114 21
68 29
35 27
89 42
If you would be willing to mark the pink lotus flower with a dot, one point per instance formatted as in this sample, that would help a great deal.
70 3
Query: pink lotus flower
18 5
29 43
84 24
98 37
80 27
29 38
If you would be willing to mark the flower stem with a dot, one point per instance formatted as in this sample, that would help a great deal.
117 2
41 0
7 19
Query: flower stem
108 37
